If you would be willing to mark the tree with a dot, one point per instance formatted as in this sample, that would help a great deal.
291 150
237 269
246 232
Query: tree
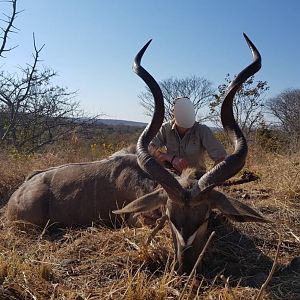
33 111
198 89
285 107
248 103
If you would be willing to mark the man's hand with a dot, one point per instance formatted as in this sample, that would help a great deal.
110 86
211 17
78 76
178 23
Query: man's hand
162 157
179 164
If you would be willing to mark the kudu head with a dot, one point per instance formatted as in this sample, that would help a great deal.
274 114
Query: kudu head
188 204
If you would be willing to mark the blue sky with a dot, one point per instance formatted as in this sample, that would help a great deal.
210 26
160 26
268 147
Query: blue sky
91 44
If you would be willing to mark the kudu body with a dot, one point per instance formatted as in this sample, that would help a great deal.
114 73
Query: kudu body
80 193
188 203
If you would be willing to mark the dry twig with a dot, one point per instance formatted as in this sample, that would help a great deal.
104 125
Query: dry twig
294 235
264 286
226 282
160 225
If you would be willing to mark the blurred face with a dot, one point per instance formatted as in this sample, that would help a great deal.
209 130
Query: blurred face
184 113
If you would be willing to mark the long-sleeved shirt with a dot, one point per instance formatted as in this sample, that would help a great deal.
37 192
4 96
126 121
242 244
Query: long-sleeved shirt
192 145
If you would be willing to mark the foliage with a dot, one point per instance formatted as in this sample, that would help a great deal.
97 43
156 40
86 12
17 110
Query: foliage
269 139
248 103
198 89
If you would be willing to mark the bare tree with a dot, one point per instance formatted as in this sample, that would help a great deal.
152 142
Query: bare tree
14 91
248 105
33 111
198 89
285 107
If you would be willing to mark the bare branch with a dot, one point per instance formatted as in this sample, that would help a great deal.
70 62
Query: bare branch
7 30
34 44
248 104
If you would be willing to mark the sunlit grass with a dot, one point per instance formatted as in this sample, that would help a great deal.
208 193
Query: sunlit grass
100 263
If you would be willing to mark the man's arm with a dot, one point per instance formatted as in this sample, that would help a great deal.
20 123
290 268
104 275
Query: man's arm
178 163
158 154
157 143
214 148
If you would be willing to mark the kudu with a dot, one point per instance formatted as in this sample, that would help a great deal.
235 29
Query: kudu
188 203
80 193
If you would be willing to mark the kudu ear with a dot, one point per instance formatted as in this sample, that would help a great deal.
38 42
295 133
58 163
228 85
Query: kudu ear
145 203
234 209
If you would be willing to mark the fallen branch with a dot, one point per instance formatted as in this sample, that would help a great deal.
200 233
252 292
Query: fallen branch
247 176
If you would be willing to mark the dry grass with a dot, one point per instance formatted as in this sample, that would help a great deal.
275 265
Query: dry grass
99 263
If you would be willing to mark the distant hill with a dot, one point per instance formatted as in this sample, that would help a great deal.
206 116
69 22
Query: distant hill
114 122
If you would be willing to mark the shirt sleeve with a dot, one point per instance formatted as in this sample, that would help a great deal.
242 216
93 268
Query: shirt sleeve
159 140
214 148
